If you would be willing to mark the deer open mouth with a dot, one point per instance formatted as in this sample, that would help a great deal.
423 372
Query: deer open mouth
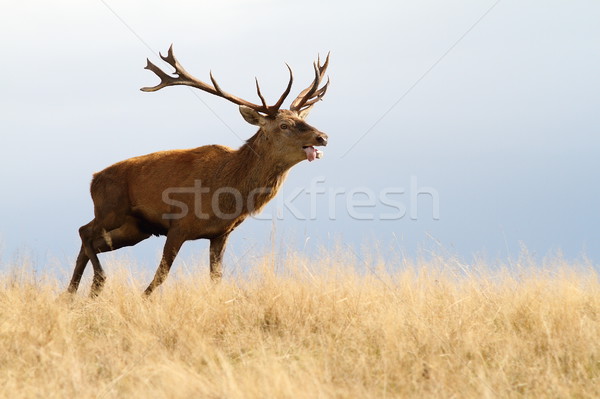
312 153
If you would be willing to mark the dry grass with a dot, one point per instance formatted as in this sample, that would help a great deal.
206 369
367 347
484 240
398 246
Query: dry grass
309 331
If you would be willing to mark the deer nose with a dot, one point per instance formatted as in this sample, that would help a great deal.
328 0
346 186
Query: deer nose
322 139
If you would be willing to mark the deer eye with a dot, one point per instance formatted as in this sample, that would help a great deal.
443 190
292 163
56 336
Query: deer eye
283 126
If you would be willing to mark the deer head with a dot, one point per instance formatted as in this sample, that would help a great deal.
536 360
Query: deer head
284 133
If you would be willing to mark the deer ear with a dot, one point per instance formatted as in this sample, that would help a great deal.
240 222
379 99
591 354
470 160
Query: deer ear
251 116
302 114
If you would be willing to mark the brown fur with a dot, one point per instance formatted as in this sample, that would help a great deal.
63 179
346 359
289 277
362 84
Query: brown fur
129 202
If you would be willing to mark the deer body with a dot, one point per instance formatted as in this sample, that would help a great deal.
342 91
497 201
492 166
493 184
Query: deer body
205 192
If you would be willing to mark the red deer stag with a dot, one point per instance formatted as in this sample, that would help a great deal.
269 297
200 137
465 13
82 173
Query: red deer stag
205 192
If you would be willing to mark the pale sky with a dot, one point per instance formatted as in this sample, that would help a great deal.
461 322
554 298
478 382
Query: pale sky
491 105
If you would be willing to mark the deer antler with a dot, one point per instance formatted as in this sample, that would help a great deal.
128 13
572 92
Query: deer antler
184 78
309 96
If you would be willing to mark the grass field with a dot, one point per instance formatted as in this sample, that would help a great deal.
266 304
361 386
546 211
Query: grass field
294 328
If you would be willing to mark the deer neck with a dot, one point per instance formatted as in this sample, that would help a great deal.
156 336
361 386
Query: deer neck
257 170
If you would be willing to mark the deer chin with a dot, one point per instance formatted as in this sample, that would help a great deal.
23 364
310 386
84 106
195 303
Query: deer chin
312 153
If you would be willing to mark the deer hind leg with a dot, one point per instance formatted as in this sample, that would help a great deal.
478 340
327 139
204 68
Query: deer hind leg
88 233
94 242
172 247
80 264
126 235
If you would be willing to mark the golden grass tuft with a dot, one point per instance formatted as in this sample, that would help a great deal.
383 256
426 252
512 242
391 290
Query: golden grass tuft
308 331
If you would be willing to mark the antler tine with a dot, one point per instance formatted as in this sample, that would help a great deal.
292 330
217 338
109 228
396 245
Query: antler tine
216 85
182 77
164 78
287 89
264 108
262 99
318 96
170 58
312 93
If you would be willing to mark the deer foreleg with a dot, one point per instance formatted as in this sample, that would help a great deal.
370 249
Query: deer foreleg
172 246
217 249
